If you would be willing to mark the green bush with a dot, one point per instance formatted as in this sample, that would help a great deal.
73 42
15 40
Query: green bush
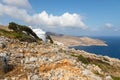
13 26
18 33
20 28
83 59
115 78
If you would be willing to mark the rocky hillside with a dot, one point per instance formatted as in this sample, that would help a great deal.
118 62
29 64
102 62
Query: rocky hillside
45 61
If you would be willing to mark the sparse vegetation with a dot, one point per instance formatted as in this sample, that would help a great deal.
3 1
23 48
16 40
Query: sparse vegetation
106 67
13 26
20 28
22 32
17 33
115 78
83 59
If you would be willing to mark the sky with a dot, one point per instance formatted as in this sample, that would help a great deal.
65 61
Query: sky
71 17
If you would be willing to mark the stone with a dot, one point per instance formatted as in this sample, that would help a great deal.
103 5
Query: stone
2 45
21 51
2 42
33 59
3 54
19 55
108 78
30 66
34 77
26 60
3 65
90 75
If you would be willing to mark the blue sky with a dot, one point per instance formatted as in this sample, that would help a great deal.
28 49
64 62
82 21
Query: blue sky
72 17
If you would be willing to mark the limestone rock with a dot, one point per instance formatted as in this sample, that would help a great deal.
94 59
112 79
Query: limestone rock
2 42
35 77
3 65
2 45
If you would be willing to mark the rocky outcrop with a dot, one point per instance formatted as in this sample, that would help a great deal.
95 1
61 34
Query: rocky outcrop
45 61
2 42
3 65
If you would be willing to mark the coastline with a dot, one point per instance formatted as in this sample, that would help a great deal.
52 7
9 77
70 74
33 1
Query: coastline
78 41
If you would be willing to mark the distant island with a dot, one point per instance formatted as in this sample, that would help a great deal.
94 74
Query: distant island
78 41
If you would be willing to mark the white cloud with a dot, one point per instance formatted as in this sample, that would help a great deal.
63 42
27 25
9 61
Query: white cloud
43 18
14 12
108 25
65 20
17 3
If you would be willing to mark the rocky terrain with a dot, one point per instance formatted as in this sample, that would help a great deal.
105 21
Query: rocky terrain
46 61
30 59
77 41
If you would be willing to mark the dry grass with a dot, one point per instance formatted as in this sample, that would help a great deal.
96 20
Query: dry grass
4 27
48 67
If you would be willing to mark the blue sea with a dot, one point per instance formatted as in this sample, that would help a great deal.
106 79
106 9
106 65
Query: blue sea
112 50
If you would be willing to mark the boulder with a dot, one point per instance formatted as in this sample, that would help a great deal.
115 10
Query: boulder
2 45
34 77
3 65
19 55
2 42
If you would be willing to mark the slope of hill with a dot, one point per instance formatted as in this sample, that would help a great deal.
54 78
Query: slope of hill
34 61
